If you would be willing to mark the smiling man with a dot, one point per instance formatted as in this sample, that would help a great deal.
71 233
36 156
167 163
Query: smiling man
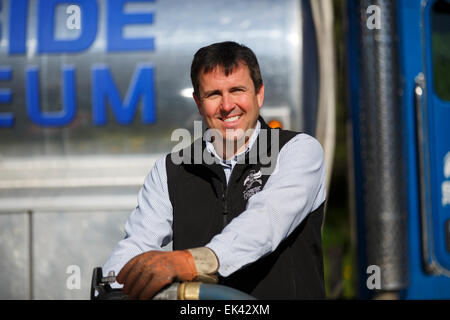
228 95
258 233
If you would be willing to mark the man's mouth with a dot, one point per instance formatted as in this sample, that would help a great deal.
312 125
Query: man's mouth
231 119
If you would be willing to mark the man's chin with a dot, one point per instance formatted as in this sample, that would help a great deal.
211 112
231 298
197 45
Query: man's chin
229 137
236 140
234 137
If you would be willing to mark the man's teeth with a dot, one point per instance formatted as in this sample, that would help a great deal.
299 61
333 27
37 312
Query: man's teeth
231 119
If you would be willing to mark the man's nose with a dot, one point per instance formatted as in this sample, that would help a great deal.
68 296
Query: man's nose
227 103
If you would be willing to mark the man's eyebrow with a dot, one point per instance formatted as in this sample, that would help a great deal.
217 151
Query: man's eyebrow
238 88
216 91
210 92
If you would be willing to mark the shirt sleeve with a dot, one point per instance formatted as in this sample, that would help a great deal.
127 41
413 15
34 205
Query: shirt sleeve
296 188
149 226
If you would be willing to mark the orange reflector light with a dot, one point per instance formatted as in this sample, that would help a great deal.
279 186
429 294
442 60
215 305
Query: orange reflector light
275 124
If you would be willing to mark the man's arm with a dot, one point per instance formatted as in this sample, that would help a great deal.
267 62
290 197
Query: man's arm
140 265
149 226
296 188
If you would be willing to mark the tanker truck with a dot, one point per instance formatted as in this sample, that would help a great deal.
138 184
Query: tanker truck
91 92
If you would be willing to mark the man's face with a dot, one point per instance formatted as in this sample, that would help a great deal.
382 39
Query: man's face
229 103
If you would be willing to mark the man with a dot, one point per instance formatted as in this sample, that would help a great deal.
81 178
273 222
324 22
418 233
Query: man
260 230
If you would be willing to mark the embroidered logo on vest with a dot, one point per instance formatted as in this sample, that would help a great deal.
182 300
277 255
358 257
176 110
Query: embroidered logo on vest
252 178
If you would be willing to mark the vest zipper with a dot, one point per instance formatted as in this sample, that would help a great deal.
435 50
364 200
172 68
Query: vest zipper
225 196
225 206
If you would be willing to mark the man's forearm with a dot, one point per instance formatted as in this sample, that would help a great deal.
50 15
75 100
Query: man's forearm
290 194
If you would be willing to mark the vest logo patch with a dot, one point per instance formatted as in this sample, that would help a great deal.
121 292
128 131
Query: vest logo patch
249 182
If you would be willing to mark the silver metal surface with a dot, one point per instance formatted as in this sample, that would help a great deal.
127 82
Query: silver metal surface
270 28
14 256
170 293
61 240
22 173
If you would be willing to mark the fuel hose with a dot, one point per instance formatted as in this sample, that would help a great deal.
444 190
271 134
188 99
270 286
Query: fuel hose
209 291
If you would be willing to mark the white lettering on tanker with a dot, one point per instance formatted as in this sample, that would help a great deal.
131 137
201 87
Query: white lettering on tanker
447 165
445 193
445 187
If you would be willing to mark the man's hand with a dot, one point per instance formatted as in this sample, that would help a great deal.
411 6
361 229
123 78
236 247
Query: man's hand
146 274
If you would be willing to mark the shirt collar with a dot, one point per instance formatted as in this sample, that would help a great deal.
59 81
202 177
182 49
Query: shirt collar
234 160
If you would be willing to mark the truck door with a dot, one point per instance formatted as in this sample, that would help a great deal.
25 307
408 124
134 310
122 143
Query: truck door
433 114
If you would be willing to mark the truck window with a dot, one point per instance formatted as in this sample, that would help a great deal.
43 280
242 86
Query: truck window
441 49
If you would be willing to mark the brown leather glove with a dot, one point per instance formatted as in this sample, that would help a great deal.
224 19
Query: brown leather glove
146 274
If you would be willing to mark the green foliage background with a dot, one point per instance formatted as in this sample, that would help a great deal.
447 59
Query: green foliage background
339 253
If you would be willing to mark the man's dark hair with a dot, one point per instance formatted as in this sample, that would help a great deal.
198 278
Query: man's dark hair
227 55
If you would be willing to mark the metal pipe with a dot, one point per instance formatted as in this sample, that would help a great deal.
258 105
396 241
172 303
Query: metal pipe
209 291
218 292
322 11
381 150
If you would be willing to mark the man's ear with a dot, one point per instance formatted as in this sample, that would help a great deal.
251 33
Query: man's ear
260 96
198 103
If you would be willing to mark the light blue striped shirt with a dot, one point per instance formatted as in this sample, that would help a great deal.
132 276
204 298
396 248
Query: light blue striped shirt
296 188
228 165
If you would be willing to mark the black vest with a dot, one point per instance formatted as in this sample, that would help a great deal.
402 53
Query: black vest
203 204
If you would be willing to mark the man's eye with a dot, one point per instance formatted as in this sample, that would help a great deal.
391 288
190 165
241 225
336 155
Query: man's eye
212 95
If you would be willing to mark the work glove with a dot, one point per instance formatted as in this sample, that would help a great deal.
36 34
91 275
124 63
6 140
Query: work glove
146 274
